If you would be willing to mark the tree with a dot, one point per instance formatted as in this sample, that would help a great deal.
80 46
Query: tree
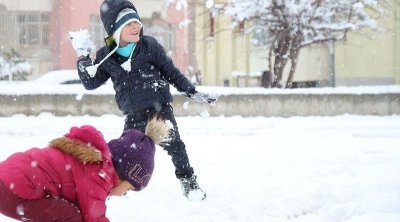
290 25
13 66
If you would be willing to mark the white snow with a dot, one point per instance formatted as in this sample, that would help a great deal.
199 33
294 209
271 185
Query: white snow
324 169
344 168
56 77
10 68
50 84
184 23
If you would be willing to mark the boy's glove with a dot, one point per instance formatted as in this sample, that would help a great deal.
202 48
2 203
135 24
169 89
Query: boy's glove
81 42
202 97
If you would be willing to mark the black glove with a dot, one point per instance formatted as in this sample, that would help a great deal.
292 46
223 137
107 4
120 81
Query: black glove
202 97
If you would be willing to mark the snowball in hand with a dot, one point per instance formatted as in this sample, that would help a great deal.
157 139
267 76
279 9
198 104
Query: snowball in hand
81 40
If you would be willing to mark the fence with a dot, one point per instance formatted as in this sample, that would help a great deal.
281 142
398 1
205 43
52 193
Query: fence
279 105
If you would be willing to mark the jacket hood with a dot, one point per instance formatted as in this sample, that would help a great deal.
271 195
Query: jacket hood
85 143
85 153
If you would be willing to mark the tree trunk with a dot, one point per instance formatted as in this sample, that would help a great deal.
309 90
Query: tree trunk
294 55
293 58
280 51
291 73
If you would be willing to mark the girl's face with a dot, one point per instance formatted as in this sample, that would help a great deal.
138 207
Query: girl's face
122 188
130 33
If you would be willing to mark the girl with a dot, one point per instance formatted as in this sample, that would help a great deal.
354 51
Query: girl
71 178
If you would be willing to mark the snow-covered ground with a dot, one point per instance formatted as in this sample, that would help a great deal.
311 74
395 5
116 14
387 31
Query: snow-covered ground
50 83
322 169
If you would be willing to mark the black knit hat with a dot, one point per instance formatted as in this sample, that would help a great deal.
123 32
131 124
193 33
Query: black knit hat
109 11
115 14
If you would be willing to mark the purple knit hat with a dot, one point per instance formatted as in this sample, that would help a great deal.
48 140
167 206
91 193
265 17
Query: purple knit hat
133 157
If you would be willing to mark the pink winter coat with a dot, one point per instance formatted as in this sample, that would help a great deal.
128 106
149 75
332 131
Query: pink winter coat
76 167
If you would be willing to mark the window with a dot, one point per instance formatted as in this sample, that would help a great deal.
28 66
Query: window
241 26
212 25
97 31
163 33
33 29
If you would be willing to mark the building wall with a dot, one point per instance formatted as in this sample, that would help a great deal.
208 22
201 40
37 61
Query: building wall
369 58
72 15
204 47
360 60
313 64
38 55
180 53
230 51
220 54
27 5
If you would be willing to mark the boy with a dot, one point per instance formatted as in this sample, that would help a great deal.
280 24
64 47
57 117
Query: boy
141 73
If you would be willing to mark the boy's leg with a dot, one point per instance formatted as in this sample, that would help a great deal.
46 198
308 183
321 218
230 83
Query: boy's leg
177 150
183 171
175 147
43 209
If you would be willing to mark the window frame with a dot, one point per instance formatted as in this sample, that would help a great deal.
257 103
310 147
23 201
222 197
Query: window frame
33 28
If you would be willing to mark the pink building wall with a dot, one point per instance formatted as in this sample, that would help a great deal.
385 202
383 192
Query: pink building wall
180 52
67 16
72 15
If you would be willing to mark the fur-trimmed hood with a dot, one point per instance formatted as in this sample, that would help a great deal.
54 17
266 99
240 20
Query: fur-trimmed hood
84 143
85 153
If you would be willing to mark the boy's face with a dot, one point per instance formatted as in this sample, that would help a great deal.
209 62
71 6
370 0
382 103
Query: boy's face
130 33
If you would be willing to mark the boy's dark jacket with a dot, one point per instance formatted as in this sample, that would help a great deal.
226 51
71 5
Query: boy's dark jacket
146 86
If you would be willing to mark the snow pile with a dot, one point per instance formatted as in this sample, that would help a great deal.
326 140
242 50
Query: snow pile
300 169
11 69
51 85
57 77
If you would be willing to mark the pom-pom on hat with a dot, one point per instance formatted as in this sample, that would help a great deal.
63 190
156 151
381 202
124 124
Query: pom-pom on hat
133 152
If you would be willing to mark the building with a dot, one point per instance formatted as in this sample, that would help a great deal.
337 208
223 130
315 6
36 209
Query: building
227 56
372 58
38 30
